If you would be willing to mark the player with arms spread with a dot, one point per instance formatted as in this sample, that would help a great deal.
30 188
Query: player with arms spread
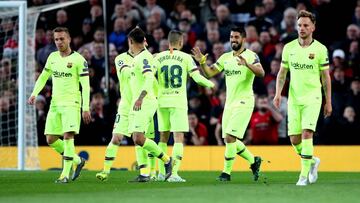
307 60
240 67
173 68
67 69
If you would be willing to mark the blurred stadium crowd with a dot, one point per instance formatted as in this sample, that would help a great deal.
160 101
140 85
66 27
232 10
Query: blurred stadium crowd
269 25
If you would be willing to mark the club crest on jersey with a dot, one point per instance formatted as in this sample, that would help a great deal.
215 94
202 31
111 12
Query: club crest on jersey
85 64
120 63
311 56
69 65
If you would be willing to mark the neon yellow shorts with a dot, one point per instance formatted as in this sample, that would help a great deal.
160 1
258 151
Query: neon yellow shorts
142 119
302 117
150 132
173 119
62 119
121 124
235 121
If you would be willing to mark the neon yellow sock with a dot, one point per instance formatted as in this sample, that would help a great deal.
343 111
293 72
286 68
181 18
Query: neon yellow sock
141 158
242 151
58 146
177 154
298 148
152 164
110 155
152 147
68 157
230 152
306 156
77 159
163 146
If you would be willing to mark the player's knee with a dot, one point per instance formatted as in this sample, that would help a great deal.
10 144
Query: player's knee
164 136
179 137
139 139
295 139
51 139
69 135
116 139
230 139
164 139
307 134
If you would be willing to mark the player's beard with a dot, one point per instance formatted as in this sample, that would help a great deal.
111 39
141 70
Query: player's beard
304 36
62 48
65 48
236 46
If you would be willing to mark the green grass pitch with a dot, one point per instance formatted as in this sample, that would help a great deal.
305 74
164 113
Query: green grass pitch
39 186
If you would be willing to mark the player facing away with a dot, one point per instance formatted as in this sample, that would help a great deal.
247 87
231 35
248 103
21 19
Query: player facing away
67 69
144 103
307 60
123 64
240 66
173 66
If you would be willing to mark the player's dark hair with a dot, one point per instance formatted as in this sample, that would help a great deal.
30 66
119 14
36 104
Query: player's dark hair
61 29
137 35
240 30
174 37
307 14
192 112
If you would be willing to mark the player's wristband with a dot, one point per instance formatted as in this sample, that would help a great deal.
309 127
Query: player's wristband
203 60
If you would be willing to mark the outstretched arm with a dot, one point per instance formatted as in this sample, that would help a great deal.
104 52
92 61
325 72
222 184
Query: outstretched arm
199 57
201 80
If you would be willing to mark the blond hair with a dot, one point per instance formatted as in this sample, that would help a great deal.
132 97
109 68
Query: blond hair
307 14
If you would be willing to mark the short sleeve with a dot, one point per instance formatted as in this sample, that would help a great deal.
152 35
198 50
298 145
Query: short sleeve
219 64
83 67
191 66
256 59
285 57
323 58
49 61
